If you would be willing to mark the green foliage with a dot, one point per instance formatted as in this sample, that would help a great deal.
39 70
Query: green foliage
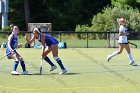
16 13
6 28
124 3
4 35
100 22
106 21
63 14
82 28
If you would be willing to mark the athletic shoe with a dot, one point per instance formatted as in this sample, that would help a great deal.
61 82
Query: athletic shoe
108 58
63 72
132 63
53 68
25 72
14 73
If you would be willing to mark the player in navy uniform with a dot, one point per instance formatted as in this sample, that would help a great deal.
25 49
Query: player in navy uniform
11 52
123 42
52 44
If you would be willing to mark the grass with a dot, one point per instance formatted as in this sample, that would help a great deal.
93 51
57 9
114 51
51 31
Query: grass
87 73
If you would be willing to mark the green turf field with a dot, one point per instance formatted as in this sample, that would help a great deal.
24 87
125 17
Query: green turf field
87 73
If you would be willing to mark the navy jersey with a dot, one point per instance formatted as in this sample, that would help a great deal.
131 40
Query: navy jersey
49 40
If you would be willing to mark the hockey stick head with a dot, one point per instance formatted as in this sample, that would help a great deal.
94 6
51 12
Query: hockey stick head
41 67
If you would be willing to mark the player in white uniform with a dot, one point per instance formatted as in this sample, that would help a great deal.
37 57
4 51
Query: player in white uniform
123 43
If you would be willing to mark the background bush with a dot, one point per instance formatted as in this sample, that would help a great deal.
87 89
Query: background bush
106 20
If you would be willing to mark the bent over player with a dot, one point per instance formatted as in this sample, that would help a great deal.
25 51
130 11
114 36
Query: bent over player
52 44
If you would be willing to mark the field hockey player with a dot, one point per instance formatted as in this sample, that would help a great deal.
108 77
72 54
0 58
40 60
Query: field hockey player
123 42
52 46
11 52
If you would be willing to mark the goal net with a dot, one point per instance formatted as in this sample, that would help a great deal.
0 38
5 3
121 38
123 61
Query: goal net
44 27
112 40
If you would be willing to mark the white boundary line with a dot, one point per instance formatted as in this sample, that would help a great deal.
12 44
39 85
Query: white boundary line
70 88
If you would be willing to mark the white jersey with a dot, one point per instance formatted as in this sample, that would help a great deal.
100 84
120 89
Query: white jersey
122 39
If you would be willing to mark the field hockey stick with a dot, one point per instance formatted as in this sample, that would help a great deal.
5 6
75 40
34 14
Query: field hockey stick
6 54
41 66
132 44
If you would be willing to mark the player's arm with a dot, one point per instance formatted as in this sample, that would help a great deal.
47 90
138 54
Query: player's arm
122 31
28 40
123 34
9 42
43 45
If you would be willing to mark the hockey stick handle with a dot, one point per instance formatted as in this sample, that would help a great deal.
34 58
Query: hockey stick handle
41 62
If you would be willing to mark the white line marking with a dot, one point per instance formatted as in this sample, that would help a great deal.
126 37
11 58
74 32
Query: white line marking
70 88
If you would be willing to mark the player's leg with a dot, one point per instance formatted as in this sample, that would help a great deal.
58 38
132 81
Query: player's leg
15 65
18 59
54 49
46 58
12 55
129 55
22 63
121 46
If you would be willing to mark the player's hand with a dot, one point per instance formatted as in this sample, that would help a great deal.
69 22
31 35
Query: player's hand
26 36
19 45
12 51
43 55
127 33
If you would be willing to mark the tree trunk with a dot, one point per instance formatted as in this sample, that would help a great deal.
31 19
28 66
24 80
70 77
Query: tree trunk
27 12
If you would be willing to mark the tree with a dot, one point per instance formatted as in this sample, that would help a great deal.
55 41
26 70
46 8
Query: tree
63 14
106 20
16 13
124 3
27 11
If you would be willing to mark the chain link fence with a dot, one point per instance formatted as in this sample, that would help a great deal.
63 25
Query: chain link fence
80 39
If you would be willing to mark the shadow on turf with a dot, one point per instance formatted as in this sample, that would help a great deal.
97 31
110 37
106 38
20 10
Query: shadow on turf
51 74
126 65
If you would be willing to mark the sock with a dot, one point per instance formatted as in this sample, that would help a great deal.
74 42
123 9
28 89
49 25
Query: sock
49 61
60 63
130 57
114 54
15 65
23 65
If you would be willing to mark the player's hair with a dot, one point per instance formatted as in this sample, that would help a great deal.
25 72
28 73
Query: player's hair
11 27
14 27
37 30
119 20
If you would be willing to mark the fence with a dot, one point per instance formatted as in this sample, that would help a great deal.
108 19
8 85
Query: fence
81 39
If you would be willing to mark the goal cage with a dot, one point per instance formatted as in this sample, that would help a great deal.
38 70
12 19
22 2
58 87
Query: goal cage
112 40
44 27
